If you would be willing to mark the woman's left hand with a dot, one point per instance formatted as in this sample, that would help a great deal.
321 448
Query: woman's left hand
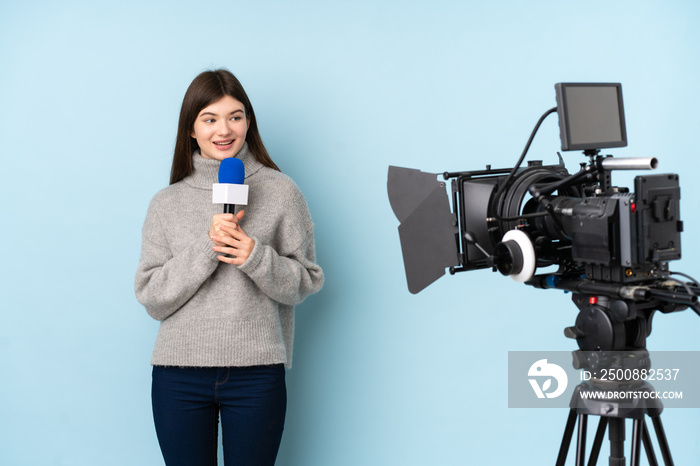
239 246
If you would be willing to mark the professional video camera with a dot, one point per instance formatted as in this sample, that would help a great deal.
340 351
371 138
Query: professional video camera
520 219
610 247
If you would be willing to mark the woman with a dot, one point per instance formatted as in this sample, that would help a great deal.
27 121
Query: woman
223 286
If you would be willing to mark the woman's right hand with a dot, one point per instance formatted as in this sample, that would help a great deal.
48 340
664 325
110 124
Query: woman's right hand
229 220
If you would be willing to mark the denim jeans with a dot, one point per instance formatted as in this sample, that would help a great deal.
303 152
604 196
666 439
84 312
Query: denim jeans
187 402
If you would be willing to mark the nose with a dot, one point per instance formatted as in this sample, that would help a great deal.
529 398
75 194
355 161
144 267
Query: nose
223 128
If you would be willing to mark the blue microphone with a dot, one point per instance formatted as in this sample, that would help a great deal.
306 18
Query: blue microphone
231 171
230 189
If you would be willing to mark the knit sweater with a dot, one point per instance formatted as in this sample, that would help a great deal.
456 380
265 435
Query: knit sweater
215 314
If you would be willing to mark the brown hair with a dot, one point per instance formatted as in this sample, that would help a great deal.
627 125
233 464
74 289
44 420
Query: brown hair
205 89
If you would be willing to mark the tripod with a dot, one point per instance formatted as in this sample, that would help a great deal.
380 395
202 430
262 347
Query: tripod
611 335
613 415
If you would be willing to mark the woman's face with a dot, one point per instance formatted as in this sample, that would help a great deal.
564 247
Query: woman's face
220 128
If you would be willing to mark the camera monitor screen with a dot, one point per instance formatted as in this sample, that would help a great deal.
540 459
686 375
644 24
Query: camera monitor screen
591 115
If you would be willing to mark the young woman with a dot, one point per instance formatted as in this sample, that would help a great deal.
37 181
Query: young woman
223 286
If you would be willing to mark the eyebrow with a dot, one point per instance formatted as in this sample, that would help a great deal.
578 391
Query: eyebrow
214 114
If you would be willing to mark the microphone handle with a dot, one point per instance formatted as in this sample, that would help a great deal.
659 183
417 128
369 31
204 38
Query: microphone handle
229 208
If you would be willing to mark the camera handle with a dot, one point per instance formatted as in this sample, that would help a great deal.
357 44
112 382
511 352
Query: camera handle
600 167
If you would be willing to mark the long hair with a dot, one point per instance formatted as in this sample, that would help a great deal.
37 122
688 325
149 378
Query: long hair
206 89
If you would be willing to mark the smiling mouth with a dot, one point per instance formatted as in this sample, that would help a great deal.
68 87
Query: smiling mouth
224 143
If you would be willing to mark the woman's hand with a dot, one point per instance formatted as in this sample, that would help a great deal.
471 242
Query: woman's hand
223 220
233 242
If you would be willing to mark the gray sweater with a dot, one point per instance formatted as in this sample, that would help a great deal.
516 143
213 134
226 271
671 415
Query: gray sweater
215 314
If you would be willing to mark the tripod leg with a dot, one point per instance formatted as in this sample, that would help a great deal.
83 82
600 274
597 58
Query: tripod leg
581 443
566 440
598 441
637 428
648 447
663 442
616 433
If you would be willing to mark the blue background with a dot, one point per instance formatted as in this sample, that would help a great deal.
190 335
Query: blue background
89 98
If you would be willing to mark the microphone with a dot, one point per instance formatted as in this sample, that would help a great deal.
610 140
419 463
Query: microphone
230 189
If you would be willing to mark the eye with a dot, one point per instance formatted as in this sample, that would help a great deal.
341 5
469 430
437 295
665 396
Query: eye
209 120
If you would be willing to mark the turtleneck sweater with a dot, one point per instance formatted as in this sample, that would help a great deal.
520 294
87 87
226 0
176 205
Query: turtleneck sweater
215 314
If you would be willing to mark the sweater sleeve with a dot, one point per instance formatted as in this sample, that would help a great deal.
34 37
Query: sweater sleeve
286 270
165 281
286 279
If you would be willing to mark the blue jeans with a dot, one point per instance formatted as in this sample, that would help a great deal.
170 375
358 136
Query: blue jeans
187 401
